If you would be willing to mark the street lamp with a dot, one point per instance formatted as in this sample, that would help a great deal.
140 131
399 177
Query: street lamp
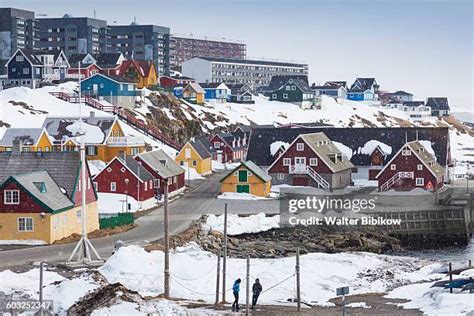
126 194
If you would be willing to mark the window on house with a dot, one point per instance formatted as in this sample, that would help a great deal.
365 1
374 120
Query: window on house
293 88
194 163
288 88
280 176
274 96
285 95
96 186
11 197
286 161
25 224
217 145
299 146
181 163
313 161
19 58
91 150
393 166
123 169
419 167
135 151
113 186
146 186
420 182
157 183
406 152
26 71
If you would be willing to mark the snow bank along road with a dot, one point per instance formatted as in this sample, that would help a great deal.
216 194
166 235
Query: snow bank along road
201 200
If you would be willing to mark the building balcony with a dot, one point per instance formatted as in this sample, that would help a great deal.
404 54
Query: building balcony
126 141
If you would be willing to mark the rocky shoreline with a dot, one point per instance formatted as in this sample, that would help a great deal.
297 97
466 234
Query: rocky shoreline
283 242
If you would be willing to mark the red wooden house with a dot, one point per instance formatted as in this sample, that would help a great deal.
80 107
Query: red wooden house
411 167
126 176
173 81
110 63
229 147
161 167
312 160
88 65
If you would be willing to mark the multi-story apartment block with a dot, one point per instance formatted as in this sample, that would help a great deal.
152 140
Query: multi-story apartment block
73 35
189 47
235 71
142 42
17 30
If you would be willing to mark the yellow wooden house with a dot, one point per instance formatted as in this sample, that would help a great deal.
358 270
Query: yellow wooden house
31 139
104 136
247 178
193 92
142 72
41 199
195 154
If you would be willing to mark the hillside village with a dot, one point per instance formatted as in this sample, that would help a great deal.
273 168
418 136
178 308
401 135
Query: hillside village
101 143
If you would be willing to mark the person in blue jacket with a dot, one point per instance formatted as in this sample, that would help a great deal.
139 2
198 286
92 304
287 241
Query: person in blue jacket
236 290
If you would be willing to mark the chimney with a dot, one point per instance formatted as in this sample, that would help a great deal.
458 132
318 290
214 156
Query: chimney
16 147
91 114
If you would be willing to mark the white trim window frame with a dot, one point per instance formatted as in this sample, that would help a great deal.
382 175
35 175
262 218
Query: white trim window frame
406 152
11 197
25 224
393 166
286 161
313 162
299 146
419 167
113 186
420 182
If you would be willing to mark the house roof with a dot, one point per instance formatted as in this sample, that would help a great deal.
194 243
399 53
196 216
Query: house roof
325 149
179 77
259 172
278 81
63 167
30 55
413 103
163 164
253 62
27 136
330 85
210 85
438 103
196 87
362 84
44 189
200 148
74 59
108 60
57 127
239 88
139 171
401 92
205 143
354 138
142 66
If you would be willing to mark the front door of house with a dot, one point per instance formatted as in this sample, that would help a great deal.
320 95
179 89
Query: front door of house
219 156
243 188
300 164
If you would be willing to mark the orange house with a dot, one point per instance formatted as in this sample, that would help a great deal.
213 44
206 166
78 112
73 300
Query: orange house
104 136
143 72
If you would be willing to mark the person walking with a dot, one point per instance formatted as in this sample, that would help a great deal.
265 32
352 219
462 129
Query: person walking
236 290
256 290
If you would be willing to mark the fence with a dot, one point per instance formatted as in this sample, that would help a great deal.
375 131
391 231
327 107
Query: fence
121 219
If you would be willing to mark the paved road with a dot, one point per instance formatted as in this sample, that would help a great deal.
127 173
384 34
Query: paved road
201 200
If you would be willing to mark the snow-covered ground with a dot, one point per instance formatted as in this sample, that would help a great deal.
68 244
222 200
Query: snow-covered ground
113 203
28 242
191 173
217 165
240 196
237 225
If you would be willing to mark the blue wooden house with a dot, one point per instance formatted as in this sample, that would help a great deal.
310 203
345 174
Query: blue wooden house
178 91
216 91
115 90
363 89
24 68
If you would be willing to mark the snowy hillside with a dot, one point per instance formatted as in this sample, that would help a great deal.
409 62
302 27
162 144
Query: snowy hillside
22 107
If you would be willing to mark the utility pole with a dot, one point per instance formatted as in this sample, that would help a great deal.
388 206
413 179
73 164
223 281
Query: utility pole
167 242
298 281
41 289
218 277
224 258
247 289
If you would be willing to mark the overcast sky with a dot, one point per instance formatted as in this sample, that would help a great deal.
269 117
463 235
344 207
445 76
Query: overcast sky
424 47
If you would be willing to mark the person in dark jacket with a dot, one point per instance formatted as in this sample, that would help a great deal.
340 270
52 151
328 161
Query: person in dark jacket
256 290
236 290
